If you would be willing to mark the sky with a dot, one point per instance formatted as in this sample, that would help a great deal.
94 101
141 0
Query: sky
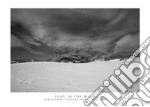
38 30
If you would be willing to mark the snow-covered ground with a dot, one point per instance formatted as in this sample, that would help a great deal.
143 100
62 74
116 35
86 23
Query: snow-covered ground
60 77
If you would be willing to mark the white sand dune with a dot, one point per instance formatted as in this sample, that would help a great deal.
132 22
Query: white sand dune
60 77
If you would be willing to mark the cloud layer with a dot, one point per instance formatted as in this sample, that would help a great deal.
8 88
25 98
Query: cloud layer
38 30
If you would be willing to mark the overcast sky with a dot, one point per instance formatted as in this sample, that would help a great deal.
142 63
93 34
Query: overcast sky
38 29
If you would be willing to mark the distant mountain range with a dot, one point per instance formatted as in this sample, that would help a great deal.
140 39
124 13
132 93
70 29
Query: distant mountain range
64 54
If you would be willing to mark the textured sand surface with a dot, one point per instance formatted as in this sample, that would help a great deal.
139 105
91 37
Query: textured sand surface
60 77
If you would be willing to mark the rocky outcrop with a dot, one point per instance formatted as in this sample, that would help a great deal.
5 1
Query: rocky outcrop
72 58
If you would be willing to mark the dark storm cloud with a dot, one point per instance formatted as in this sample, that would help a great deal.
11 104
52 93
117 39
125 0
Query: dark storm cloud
38 29
20 30
78 24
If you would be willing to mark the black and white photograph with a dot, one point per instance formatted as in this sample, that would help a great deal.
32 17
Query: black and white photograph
74 53
69 49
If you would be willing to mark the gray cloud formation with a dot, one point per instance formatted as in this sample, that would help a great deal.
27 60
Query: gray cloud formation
107 29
